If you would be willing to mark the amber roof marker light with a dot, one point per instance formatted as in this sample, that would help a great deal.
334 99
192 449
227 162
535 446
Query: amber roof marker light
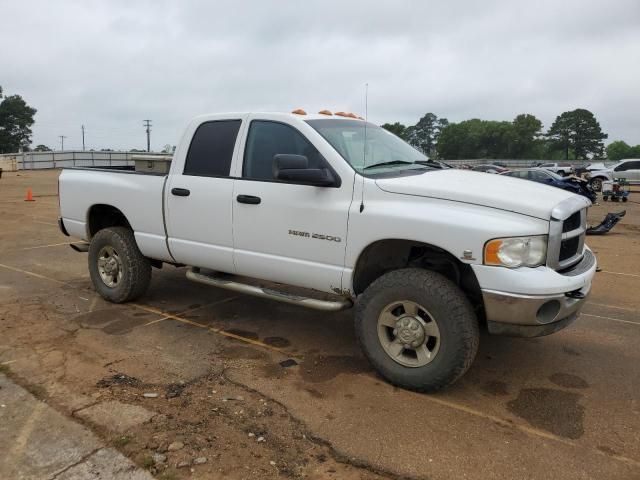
299 111
325 112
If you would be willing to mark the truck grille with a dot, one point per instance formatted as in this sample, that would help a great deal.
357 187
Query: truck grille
566 236
569 248
571 223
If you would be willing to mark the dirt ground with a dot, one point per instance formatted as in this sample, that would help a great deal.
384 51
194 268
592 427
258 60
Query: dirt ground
196 382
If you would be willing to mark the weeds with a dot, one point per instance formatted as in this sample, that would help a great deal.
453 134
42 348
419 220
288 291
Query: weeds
120 442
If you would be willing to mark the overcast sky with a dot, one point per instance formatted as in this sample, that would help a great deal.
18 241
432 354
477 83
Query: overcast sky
111 64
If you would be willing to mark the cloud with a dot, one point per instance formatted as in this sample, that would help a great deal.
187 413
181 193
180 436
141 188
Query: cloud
109 65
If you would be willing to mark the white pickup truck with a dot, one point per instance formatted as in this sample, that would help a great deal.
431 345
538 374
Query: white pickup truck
348 214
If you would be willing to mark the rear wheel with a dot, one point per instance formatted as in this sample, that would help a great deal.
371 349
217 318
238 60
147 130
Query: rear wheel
417 329
118 269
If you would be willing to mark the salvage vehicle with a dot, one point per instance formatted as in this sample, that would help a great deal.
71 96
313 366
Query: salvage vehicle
562 168
338 208
490 168
570 184
627 170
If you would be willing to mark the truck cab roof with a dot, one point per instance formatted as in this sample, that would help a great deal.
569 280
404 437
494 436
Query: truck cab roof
282 115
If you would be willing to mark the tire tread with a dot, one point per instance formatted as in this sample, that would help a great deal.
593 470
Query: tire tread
137 265
465 327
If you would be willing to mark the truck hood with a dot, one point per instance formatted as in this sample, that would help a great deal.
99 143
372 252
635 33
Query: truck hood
477 188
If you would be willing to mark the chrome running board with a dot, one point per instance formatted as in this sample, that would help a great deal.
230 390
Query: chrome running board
224 281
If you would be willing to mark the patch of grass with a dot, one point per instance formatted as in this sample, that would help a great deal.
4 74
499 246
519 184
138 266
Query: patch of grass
4 369
147 462
37 391
120 442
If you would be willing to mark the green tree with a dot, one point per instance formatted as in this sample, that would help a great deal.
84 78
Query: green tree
475 138
16 118
577 131
42 148
396 128
634 152
618 150
424 134
527 131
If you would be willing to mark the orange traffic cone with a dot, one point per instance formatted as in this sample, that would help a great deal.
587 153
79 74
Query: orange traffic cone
29 196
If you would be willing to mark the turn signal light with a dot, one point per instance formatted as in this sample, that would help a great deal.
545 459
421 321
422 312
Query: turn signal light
491 252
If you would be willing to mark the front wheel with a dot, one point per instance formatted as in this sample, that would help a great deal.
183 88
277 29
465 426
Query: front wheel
596 184
417 329
118 269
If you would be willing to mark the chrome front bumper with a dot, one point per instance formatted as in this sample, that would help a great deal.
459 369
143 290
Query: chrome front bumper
536 315
531 316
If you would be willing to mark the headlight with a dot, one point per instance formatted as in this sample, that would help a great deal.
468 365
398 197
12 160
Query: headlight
516 251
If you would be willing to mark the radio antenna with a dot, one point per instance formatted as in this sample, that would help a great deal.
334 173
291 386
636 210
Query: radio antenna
364 145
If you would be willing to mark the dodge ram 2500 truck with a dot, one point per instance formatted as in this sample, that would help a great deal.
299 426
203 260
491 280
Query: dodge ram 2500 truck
345 212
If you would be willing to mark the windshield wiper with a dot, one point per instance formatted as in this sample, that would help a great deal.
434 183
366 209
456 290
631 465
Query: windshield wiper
392 162
428 163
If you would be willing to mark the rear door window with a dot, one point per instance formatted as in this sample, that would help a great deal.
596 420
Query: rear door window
211 149
538 176
635 165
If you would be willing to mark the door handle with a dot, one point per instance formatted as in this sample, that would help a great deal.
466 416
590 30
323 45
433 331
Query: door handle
250 199
181 192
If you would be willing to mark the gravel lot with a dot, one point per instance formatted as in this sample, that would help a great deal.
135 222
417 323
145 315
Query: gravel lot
196 382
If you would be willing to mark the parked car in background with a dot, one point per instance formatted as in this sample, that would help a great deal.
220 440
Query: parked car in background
490 168
627 169
561 168
570 184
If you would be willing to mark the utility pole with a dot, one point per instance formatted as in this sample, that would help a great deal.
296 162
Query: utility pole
147 123
62 137
83 138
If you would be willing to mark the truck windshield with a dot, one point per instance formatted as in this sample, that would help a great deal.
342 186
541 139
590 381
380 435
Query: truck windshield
383 152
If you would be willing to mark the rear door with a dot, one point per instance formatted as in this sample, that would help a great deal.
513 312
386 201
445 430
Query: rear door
198 216
629 170
292 233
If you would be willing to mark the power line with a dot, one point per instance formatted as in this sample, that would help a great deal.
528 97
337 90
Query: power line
147 123
62 137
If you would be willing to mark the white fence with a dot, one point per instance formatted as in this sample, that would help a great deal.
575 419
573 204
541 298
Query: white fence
45 160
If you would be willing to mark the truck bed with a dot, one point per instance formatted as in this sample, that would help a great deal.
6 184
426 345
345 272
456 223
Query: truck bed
138 195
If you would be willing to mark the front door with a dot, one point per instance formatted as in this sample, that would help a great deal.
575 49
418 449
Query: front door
198 215
288 232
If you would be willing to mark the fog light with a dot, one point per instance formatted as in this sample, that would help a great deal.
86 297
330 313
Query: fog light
548 312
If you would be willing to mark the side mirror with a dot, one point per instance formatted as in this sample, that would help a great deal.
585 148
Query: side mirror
295 168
